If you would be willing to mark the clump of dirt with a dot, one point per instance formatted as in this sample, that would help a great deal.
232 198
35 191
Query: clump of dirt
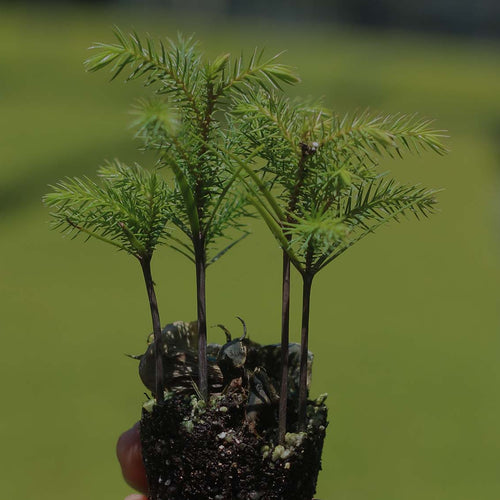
198 450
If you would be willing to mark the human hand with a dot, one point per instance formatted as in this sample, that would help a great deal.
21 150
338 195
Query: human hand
128 451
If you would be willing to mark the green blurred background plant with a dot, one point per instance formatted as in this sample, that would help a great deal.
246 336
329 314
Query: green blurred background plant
406 323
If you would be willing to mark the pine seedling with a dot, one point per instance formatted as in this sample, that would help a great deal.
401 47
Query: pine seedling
183 124
128 209
319 190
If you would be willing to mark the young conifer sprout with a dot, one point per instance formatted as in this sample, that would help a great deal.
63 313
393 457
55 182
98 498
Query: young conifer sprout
228 143
128 209
182 123
319 190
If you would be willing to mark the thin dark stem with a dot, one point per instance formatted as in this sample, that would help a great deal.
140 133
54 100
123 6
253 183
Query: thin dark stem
285 328
299 181
199 243
200 261
155 316
304 348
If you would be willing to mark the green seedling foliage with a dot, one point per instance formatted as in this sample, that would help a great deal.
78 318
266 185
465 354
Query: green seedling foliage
182 118
129 208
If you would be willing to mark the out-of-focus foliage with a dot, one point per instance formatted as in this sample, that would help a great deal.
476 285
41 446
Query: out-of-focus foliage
479 17
407 323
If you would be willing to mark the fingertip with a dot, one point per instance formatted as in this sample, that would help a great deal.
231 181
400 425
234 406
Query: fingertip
129 453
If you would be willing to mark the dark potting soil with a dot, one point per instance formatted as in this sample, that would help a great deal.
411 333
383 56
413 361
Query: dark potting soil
197 451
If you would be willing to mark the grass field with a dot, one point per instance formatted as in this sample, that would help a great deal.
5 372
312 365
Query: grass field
405 326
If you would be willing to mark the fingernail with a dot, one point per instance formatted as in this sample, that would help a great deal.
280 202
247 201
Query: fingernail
136 496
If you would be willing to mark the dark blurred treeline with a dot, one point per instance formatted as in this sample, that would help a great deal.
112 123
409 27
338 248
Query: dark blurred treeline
470 17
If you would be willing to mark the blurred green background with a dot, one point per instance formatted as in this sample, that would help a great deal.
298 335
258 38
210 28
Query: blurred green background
405 326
